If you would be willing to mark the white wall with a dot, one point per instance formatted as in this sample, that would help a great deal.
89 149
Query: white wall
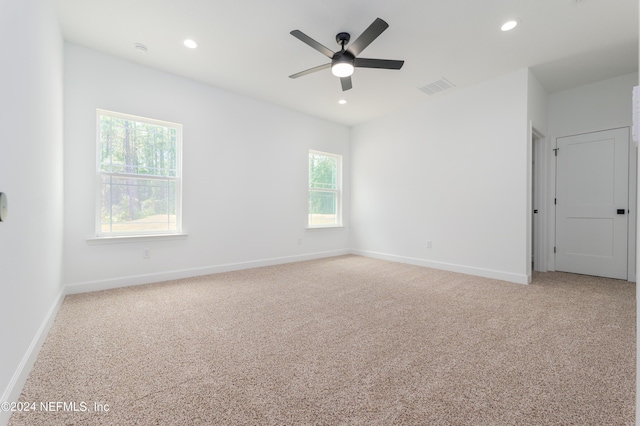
598 106
453 171
537 103
593 107
245 176
31 175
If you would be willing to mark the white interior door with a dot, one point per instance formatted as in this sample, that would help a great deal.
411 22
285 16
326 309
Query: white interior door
592 197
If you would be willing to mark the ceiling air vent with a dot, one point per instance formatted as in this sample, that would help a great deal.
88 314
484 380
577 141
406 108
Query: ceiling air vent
437 86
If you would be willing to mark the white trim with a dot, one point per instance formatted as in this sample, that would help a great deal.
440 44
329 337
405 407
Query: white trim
312 228
337 191
633 214
98 285
178 179
137 117
468 270
131 280
20 376
139 176
540 156
135 238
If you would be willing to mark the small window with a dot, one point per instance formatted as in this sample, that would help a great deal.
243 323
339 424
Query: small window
139 176
325 189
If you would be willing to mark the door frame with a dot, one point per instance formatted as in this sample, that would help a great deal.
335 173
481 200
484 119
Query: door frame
538 200
633 186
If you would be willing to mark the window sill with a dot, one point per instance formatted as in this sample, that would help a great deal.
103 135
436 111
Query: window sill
313 228
135 238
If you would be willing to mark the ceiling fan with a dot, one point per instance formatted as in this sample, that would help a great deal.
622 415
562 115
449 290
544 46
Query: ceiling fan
344 61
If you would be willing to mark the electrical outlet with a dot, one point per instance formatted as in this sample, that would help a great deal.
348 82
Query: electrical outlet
146 254
299 241
429 244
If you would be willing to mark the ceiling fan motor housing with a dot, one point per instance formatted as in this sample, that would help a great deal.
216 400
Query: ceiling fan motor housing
342 56
343 39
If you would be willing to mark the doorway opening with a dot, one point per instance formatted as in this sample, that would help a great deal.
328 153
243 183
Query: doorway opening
538 211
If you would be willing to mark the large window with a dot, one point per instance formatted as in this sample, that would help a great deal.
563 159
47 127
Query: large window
325 189
139 176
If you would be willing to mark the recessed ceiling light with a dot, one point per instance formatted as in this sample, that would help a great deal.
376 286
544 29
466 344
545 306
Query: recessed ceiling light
342 101
190 44
509 25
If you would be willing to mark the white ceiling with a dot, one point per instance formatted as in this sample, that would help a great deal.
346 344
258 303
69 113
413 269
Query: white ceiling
245 46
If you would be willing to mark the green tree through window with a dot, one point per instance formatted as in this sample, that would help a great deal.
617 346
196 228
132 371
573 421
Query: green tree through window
139 172
324 189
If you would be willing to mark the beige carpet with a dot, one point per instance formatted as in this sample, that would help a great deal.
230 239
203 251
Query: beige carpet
345 340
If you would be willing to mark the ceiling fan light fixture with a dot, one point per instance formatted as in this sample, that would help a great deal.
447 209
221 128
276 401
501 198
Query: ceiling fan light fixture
509 25
342 69
346 59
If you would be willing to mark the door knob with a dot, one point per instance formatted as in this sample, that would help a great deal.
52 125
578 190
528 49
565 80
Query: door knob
621 211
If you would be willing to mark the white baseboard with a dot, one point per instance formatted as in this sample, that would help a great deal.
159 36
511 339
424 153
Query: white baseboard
108 284
469 270
20 376
127 281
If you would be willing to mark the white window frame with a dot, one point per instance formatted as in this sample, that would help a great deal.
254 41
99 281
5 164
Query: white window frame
337 192
100 174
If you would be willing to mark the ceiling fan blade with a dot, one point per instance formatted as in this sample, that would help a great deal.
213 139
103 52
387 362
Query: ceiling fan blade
311 42
370 34
388 64
346 83
310 70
